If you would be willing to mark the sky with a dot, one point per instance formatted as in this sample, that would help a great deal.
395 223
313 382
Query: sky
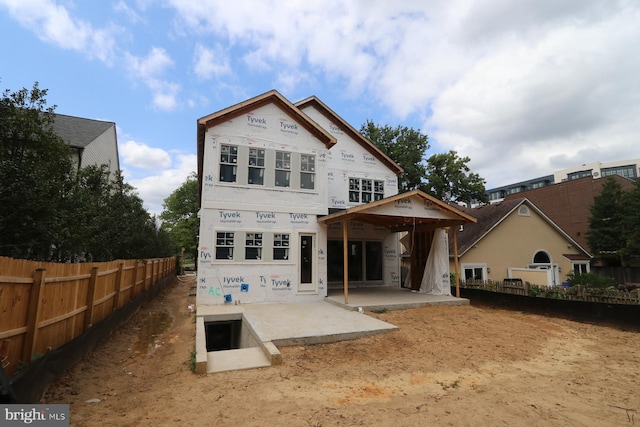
523 88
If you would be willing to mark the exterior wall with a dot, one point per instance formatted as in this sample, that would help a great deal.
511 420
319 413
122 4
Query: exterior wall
263 129
242 208
596 168
102 150
514 242
348 159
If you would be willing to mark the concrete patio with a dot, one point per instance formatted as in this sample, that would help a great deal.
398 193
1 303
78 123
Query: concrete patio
389 298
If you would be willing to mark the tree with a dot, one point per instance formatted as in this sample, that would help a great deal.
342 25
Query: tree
403 145
631 225
180 215
36 176
48 211
605 236
450 179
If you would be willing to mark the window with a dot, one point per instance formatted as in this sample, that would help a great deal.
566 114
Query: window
625 171
365 261
472 273
496 195
580 267
283 169
256 166
280 247
224 245
524 211
228 162
253 246
354 190
307 171
378 190
580 174
365 190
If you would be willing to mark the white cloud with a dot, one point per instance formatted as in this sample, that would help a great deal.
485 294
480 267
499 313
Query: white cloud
52 23
155 188
148 69
142 156
210 63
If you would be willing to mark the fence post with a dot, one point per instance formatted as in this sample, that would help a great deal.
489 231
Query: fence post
116 299
88 317
35 302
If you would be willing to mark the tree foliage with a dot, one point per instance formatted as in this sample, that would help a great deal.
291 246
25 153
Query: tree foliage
403 145
450 179
631 225
51 211
606 236
180 215
445 176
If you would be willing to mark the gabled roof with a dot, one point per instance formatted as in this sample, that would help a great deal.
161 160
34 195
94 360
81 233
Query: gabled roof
271 97
79 132
568 203
313 101
491 216
413 210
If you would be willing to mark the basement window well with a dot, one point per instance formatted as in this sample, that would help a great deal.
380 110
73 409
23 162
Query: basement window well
223 335
227 342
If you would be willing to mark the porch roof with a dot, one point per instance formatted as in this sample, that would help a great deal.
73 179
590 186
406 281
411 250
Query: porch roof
414 210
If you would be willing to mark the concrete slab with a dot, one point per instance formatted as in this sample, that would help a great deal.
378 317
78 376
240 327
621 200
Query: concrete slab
310 323
389 298
234 360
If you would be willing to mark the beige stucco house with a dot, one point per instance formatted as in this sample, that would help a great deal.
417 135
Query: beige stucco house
514 239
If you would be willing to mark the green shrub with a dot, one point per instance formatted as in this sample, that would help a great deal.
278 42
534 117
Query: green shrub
589 280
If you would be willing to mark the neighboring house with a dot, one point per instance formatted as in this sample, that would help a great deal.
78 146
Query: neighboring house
94 141
568 203
287 192
514 239
629 169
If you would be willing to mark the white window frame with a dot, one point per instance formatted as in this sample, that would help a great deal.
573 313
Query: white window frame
580 264
228 159
225 237
474 267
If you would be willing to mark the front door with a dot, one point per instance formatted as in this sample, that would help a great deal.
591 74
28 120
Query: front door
307 263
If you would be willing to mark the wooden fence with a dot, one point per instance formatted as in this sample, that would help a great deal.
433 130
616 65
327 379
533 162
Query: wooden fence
45 305
576 293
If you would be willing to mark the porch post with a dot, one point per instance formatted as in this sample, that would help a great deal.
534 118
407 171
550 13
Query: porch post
345 259
455 260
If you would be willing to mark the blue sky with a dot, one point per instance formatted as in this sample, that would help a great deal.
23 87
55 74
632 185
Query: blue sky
523 88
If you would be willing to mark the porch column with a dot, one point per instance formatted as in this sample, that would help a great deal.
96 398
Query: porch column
345 259
455 260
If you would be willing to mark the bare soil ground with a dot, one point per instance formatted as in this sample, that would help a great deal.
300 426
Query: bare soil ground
446 366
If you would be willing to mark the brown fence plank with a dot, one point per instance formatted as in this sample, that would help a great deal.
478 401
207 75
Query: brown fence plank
35 302
88 319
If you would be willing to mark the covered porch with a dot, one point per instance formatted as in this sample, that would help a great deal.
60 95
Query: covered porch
417 214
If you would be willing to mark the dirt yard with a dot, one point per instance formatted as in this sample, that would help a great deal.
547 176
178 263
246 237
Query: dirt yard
446 366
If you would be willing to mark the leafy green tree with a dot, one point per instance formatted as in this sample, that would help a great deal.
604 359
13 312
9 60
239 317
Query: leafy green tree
180 215
403 145
48 211
36 176
631 225
605 236
450 179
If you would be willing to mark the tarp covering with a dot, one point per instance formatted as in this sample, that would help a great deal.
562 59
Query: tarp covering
436 279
